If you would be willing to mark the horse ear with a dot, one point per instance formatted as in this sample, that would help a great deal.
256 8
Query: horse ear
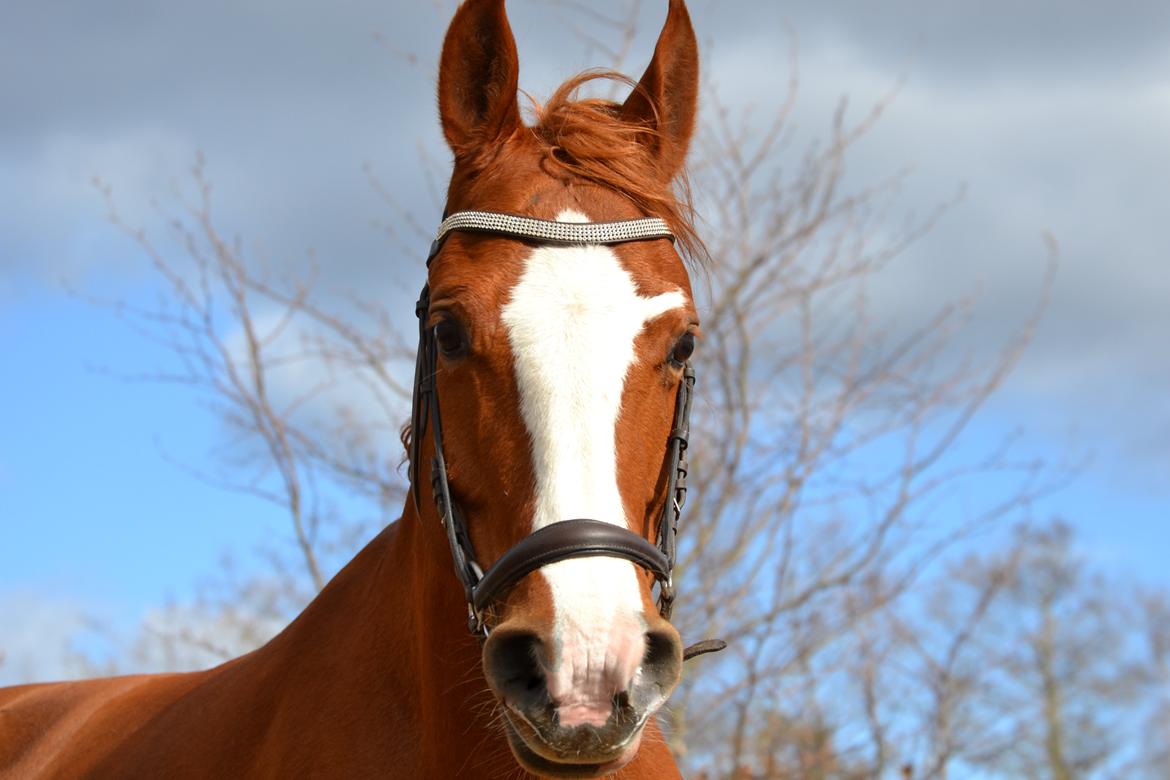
667 97
478 74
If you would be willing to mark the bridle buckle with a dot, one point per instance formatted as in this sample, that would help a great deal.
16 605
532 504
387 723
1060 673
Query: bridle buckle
476 623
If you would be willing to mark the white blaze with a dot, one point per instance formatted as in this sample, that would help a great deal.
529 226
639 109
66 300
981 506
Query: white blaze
571 322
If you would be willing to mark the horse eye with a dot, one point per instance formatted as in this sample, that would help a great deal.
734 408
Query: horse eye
683 349
450 338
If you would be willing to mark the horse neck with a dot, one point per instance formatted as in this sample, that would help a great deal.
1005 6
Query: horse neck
454 704
389 635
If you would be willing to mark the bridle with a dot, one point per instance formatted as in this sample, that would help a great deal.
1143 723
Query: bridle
571 538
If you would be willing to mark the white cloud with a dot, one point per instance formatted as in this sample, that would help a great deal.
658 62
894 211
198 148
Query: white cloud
40 635
1067 137
326 387
47 637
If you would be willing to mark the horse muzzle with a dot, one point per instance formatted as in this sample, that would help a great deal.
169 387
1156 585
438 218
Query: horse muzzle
592 728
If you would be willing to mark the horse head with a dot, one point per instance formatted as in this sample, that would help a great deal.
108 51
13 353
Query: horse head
558 367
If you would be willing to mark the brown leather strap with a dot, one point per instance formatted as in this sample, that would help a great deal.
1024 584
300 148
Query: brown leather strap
560 541
703 647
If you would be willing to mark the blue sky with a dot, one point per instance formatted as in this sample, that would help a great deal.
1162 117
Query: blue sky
1052 118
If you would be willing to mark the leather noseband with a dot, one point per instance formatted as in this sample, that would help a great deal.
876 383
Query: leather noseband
560 541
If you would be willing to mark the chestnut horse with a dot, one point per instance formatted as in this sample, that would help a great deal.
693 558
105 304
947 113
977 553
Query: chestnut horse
560 368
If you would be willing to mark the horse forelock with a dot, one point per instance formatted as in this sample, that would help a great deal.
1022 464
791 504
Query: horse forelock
589 139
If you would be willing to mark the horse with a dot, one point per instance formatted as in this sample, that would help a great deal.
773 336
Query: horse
556 327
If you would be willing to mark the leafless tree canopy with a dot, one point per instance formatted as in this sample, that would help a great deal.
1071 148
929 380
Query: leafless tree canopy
823 538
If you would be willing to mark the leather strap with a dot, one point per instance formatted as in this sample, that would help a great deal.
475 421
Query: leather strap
560 541
676 485
703 647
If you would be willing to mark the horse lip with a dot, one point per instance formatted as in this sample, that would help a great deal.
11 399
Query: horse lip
532 749
531 760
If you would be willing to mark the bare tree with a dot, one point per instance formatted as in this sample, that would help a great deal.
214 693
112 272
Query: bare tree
1023 662
827 436
244 338
1153 760
825 452
1067 666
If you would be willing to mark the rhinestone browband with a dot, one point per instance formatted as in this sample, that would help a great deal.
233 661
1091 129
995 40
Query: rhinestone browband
555 232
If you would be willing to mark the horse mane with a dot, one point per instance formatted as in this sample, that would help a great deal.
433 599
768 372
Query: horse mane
588 138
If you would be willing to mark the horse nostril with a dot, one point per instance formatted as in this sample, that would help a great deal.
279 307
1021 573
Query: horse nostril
661 668
663 648
512 660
